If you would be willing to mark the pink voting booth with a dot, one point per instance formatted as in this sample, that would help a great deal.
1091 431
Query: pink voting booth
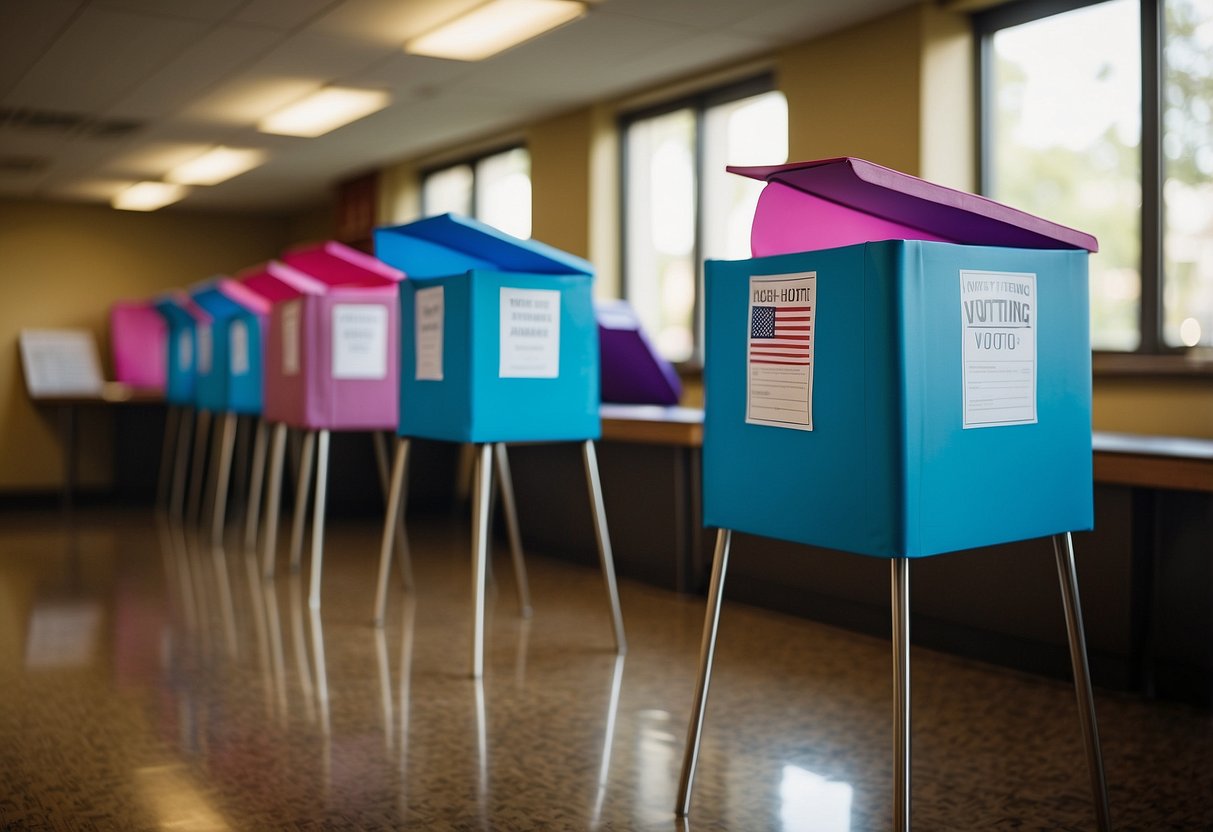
138 337
331 364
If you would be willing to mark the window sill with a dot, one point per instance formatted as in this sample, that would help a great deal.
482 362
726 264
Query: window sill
1193 364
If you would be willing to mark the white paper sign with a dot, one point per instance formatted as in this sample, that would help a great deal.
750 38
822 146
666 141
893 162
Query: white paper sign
60 362
290 338
360 341
185 350
998 324
204 349
238 347
429 309
780 349
530 333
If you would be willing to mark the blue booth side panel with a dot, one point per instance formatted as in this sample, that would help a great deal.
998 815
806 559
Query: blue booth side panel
437 409
563 408
837 485
419 258
245 389
980 486
179 386
211 391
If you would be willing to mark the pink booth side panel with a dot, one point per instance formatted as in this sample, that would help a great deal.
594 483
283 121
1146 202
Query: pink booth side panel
138 345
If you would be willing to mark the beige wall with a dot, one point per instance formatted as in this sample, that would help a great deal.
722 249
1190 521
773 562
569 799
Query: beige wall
63 265
1166 406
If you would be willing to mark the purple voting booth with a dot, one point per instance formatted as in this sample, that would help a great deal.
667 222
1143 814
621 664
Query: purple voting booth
331 364
633 372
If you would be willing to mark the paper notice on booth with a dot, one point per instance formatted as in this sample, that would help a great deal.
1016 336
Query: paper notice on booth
238 347
430 309
360 341
998 323
204 349
185 350
530 333
779 350
290 338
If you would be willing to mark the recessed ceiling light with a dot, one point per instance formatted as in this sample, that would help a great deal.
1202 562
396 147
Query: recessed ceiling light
494 27
216 165
323 111
148 196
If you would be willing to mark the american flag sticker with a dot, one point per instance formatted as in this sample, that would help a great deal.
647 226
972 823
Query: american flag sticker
780 347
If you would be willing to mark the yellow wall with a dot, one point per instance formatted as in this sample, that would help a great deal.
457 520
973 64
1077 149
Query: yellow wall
63 265
1166 406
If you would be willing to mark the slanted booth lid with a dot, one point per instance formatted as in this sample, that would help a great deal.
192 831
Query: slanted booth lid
449 244
846 201
223 297
275 281
334 264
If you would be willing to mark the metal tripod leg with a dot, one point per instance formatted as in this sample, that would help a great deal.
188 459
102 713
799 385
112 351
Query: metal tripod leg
480 552
201 436
322 479
223 475
707 652
604 542
302 485
172 419
401 536
1063 547
273 501
900 586
506 483
252 514
399 470
185 428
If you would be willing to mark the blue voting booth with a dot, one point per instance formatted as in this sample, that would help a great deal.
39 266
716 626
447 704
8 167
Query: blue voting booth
498 343
229 367
175 308
901 370
180 315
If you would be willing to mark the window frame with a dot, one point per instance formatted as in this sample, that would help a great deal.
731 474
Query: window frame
699 103
1151 268
472 161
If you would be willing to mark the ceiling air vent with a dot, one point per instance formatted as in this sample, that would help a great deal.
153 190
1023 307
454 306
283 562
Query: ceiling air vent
61 123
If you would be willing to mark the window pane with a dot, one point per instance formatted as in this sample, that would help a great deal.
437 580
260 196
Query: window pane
503 191
1066 133
448 191
1187 144
660 229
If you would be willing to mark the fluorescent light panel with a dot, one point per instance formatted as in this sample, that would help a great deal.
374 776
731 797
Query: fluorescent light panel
216 165
323 111
148 196
494 27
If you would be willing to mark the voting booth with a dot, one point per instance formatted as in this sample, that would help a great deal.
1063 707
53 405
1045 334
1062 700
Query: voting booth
498 344
901 370
138 338
331 364
229 346
180 315
633 372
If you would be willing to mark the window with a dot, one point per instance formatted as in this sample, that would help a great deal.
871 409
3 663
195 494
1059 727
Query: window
495 188
681 206
1113 135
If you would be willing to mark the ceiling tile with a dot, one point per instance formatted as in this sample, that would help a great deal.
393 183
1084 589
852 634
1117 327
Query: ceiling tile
283 14
322 58
188 9
198 67
30 26
101 56
390 21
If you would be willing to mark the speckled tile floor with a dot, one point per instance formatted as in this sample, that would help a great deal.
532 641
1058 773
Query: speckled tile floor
149 682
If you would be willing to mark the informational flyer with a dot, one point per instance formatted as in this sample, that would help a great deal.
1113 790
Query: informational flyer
530 333
290 337
185 350
359 341
998 324
779 350
238 347
430 308
60 362
203 334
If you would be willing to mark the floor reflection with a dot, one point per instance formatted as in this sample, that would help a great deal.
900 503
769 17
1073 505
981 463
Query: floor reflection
150 680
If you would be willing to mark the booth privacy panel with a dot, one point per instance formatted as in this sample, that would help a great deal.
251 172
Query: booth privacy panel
889 467
138 338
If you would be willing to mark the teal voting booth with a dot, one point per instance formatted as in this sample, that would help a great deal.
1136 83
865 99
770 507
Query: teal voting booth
902 370
180 315
498 343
